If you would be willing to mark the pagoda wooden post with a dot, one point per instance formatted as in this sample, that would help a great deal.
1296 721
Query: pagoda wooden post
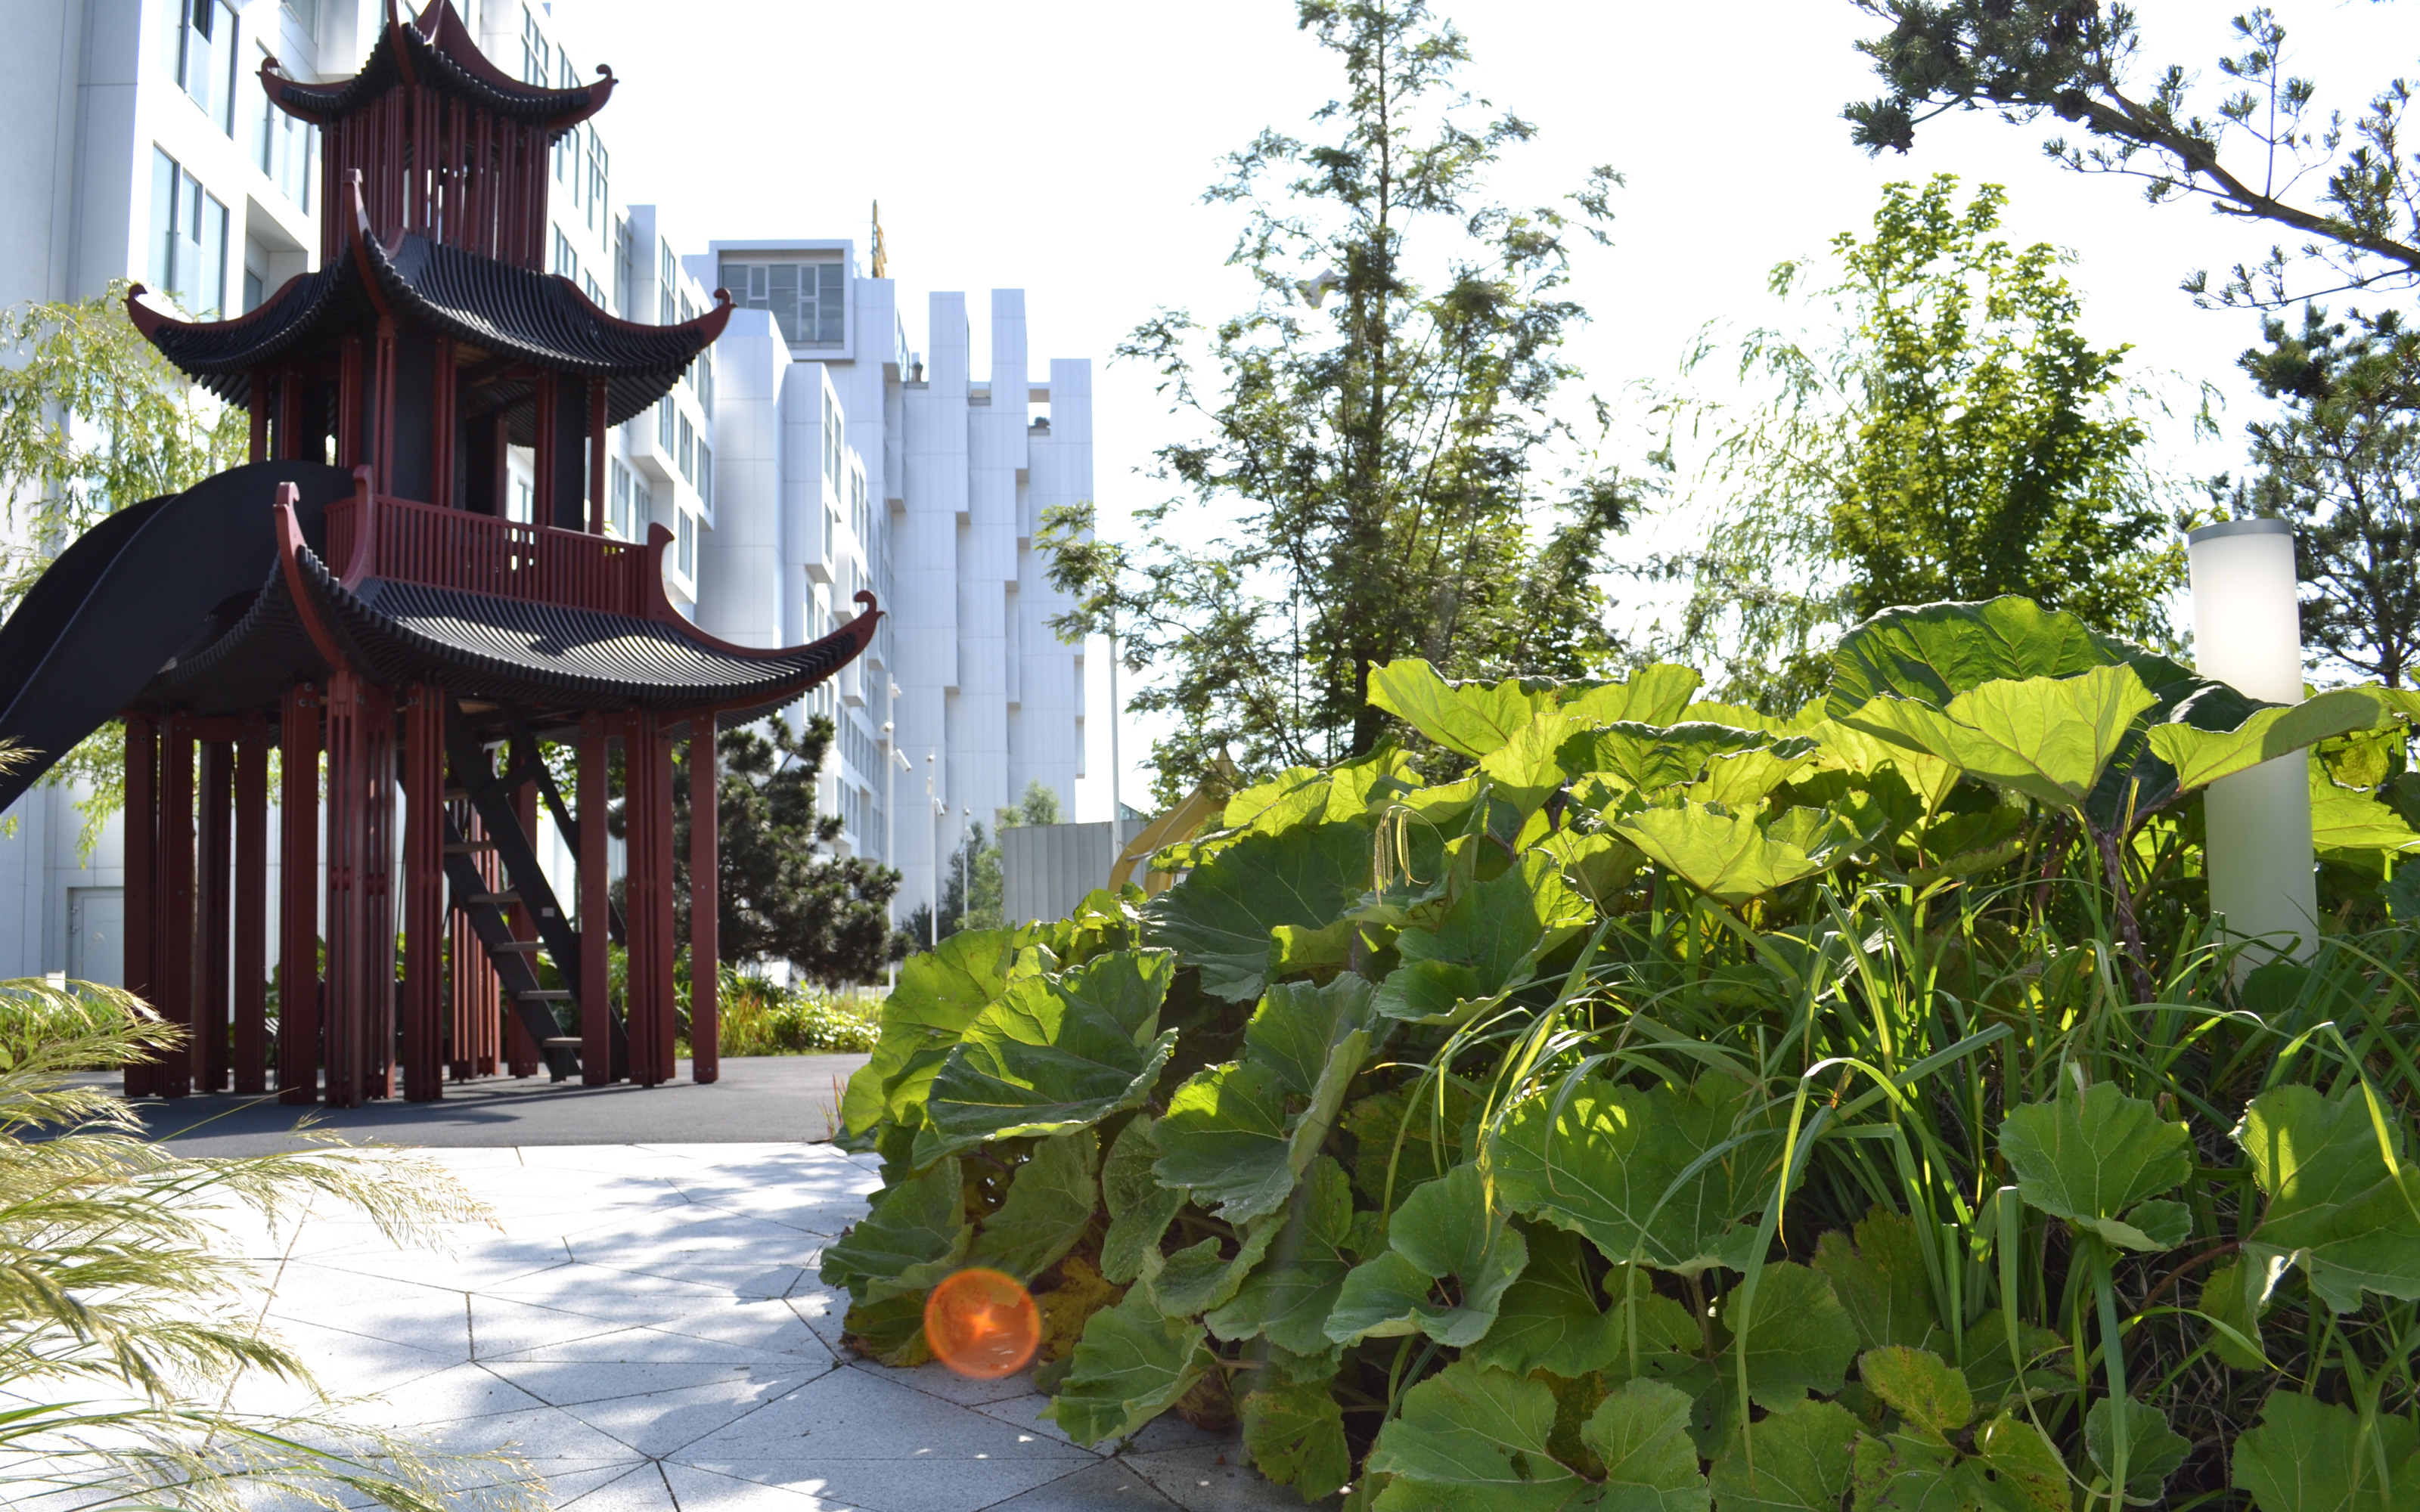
379 896
173 887
424 893
142 871
597 392
596 908
251 906
298 910
664 1027
345 1010
646 787
705 915
256 406
213 913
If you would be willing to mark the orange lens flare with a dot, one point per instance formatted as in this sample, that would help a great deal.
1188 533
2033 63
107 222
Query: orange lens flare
983 1325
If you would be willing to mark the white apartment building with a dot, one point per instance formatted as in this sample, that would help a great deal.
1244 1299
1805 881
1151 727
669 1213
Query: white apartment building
812 454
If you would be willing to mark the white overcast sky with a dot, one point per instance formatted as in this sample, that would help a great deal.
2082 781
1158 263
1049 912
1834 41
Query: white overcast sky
1062 148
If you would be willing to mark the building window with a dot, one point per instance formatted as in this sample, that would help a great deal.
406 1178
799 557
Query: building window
687 548
595 290
566 261
524 506
306 16
667 279
705 474
831 443
196 44
596 162
534 50
643 508
688 451
664 425
189 231
806 297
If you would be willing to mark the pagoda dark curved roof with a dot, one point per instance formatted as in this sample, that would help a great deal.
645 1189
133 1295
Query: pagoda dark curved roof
434 48
514 312
483 647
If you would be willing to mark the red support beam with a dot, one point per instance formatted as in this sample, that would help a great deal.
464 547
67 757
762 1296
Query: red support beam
379 895
705 908
142 872
257 404
596 907
251 951
344 1011
214 913
646 763
298 912
173 887
424 893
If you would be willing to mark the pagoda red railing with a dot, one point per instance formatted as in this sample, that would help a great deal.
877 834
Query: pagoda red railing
407 541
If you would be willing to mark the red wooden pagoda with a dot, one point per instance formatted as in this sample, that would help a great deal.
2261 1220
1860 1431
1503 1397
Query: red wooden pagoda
388 620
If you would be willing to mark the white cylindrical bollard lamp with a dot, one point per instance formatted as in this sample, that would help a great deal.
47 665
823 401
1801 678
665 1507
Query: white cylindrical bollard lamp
2248 634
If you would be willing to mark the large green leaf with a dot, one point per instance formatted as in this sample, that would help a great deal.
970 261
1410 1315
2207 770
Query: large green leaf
1642 1433
1733 857
1410 1136
1055 1053
1799 1340
1934 652
1445 1230
2342 1197
2353 827
1655 694
1881 1283
2202 757
915 1234
1924 1389
1550 1319
1219 918
1471 718
1647 758
2096 1159
1797 1459
1294 1432
1131 1366
1224 1140
1490 940
1204 1276
1623 1166
1049 1204
1139 1207
1469 1440
1239 1136
2048 738
2310 1455
938 995
1287 1300
2153 1449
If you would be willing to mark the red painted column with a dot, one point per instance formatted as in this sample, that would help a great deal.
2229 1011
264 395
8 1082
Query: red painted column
342 1008
596 908
298 909
650 813
251 951
596 469
379 892
704 903
142 872
213 913
173 888
424 893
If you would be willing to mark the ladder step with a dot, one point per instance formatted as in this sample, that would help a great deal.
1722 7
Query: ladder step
549 994
470 847
561 1042
508 896
521 946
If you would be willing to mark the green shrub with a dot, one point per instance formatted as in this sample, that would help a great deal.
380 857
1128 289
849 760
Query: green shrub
126 1320
762 1019
1687 1104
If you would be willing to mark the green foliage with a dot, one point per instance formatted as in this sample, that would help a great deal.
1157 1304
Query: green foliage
782 895
130 1323
1689 1108
1959 439
761 1019
1383 413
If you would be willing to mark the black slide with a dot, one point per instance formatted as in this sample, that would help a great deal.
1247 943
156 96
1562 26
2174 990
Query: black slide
131 593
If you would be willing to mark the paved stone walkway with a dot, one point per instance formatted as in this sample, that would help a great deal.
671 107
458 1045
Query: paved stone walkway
647 1329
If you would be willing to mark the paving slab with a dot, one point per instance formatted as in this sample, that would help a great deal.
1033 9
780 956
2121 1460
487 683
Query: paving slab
645 1328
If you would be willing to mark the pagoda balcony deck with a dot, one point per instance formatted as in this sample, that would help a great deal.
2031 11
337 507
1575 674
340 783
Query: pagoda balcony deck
403 540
